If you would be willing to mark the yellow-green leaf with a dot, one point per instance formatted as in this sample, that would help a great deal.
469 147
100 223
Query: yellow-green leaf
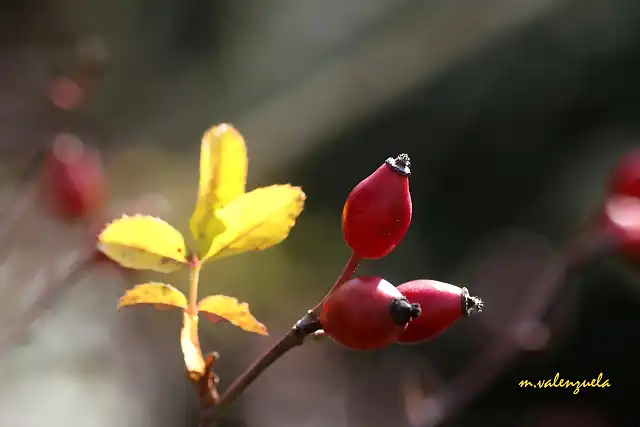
257 220
223 176
190 344
155 293
232 310
143 243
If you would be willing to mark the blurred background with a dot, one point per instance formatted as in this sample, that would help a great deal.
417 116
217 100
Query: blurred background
513 112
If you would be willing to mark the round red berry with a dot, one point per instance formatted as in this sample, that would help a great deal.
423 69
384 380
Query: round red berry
74 182
625 180
441 303
622 221
377 213
366 313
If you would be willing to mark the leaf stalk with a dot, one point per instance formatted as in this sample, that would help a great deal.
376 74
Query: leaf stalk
194 277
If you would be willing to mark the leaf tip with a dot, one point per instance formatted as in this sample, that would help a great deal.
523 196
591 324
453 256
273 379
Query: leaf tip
223 127
217 130
301 195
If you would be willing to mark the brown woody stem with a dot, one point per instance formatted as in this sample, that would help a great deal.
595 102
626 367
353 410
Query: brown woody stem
308 325
206 385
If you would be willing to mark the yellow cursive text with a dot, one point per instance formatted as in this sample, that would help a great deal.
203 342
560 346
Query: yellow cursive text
558 382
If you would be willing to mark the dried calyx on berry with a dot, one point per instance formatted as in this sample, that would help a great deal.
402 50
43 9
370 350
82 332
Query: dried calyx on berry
377 213
470 304
401 164
402 311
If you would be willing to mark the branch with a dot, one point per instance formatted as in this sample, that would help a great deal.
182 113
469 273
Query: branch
213 405
347 272
46 300
15 200
307 325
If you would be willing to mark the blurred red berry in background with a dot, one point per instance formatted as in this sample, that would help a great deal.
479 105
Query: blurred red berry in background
73 179
66 94
622 220
625 180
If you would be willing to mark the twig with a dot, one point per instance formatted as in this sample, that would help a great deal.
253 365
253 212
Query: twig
45 301
16 210
347 272
308 325
206 384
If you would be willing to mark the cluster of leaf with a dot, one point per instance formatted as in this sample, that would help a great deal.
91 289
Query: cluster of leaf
226 221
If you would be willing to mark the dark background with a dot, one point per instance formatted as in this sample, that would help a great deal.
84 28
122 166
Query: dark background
513 113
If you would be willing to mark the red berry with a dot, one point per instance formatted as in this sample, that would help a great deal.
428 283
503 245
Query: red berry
622 220
66 94
377 213
625 180
366 313
73 178
442 304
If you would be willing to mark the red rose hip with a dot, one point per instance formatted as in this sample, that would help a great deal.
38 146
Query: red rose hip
622 222
441 303
625 180
73 178
377 213
366 313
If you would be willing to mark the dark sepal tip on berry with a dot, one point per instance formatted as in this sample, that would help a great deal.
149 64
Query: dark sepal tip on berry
471 304
401 164
402 311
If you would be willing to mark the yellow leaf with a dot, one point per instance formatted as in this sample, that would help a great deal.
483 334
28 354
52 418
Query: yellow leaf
235 312
143 243
190 344
257 220
158 294
223 176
